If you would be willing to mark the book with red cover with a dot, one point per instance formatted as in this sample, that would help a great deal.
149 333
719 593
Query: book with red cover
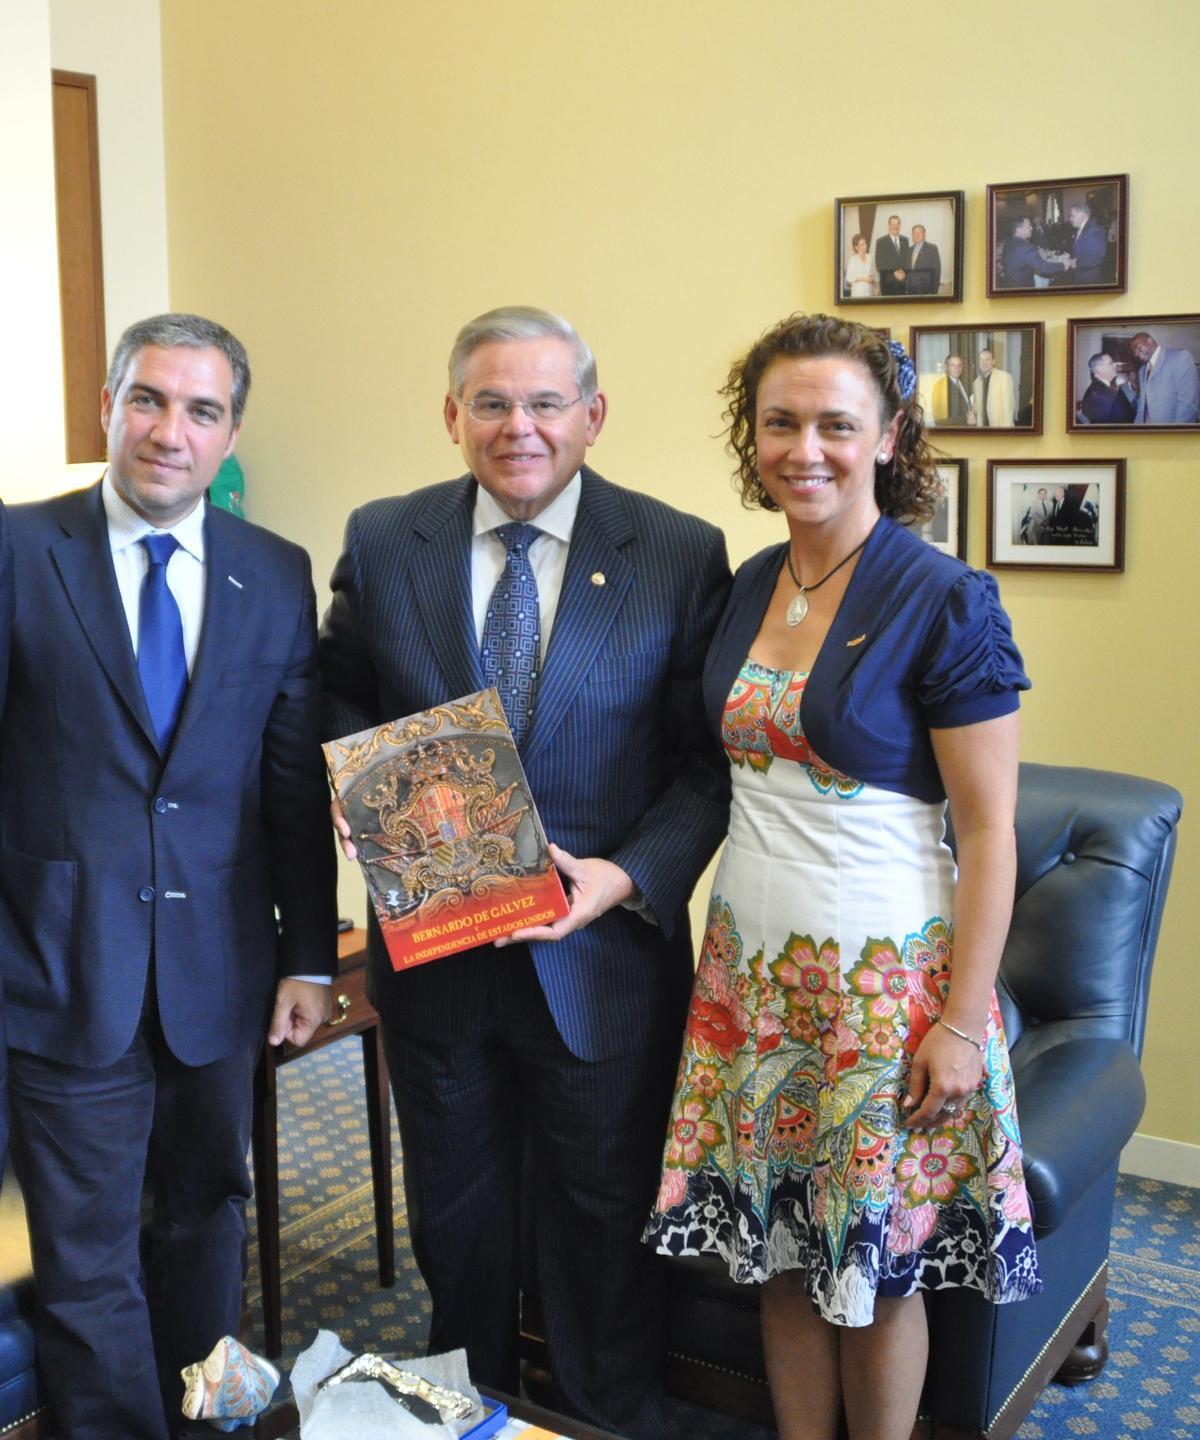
447 834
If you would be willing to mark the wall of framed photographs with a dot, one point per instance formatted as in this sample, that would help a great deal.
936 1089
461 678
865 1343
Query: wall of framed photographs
1052 241
1060 378
365 177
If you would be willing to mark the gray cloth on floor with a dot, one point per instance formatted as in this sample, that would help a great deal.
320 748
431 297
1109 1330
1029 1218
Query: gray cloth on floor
366 1409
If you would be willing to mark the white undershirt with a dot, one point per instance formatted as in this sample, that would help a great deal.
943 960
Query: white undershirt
185 569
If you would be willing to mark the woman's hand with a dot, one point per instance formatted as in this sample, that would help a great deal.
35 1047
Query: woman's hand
946 1070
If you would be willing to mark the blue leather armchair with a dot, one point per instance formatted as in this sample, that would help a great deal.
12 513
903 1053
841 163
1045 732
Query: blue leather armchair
1094 860
20 1400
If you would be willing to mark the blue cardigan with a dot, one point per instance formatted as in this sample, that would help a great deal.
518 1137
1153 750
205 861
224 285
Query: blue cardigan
920 641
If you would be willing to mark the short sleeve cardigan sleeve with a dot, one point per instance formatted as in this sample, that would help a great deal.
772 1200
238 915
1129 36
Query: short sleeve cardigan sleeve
919 642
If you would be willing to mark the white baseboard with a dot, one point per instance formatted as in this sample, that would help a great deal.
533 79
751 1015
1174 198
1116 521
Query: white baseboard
1169 1160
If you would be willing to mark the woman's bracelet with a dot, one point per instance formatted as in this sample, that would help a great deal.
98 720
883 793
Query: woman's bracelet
962 1034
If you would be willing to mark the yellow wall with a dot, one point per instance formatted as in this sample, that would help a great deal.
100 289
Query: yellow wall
347 184
119 43
31 398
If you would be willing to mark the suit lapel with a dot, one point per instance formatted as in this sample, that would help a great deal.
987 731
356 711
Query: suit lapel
441 574
228 582
863 609
741 626
83 559
587 606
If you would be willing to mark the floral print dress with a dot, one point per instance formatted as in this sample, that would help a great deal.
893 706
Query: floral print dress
826 959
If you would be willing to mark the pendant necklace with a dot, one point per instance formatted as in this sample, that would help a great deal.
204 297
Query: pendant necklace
798 609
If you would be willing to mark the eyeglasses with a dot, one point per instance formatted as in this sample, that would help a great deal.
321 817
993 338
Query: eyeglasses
496 407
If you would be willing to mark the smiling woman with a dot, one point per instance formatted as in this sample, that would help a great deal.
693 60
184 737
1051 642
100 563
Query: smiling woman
849 1136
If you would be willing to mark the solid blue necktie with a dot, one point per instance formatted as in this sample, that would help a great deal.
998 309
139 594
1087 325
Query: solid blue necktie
162 663
512 630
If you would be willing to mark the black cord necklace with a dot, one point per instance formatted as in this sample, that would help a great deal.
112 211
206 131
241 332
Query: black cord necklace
798 609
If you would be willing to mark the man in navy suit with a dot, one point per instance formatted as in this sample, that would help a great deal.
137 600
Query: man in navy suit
161 797
924 265
1088 249
1023 263
1107 400
892 252
540 1073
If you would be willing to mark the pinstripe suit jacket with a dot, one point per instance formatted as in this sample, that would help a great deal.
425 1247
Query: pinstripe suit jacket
619 757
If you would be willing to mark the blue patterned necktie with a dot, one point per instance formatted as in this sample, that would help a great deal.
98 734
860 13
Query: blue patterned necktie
512 631
162 663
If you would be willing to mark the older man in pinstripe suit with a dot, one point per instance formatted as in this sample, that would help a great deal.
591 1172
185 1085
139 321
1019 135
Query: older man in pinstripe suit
553 1056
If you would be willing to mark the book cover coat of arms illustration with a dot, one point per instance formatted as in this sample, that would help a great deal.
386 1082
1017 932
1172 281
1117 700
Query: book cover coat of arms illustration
446 830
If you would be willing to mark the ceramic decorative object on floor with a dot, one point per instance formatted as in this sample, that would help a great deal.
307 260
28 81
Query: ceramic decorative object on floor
229 1388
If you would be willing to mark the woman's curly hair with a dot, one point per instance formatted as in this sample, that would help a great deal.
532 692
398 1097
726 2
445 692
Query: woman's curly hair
907 487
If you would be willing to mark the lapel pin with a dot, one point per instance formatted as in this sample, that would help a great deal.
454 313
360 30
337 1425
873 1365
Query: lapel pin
858 640
232 581
598 578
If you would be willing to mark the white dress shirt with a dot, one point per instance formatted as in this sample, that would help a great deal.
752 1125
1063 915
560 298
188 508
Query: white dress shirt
185 569
547 554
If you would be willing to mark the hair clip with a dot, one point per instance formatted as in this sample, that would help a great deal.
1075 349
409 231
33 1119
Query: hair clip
906 372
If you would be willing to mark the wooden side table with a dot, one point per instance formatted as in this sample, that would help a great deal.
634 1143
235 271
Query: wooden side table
352 1015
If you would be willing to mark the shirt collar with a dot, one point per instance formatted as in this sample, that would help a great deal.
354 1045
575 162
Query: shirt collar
557 519
126 527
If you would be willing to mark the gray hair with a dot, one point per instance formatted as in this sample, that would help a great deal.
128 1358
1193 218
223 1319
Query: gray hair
521 322
1096 359
192 331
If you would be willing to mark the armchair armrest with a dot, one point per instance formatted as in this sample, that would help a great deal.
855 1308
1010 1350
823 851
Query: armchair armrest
1079 1103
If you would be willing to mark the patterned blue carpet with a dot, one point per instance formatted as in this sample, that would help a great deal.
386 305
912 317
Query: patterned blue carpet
1150 1387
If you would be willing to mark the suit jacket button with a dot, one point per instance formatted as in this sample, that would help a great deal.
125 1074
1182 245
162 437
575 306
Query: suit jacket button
146 893
160 806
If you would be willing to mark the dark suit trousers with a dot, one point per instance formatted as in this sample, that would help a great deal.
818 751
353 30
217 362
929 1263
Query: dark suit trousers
116 1322
593 1133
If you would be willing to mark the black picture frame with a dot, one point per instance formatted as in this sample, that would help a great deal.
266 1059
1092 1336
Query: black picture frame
947 531
939 212
1013 407
1056 515
1109 398
1035 246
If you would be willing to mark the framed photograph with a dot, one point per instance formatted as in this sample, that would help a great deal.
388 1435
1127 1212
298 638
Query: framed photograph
972 378
1047 235
1056 515
948 529
1140 374
898 247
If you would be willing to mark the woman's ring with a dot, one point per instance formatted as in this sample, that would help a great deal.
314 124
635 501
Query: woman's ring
950 1108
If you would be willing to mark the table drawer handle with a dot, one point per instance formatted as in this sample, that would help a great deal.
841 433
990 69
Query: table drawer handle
341 1011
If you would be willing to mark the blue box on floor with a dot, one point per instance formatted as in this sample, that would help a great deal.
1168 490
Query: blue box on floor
495 1417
